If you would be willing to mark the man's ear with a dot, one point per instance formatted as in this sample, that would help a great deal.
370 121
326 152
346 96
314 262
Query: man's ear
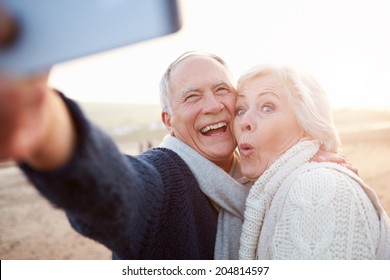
166 119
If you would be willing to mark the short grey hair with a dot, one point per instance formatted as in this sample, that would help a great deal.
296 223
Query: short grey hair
307 100
165 92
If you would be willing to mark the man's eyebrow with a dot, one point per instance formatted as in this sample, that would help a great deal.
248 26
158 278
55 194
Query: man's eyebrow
214 85
190 89
219 83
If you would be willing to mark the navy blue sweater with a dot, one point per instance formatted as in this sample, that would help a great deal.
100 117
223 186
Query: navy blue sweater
144 207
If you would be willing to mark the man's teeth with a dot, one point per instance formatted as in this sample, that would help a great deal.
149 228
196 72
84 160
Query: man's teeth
213 126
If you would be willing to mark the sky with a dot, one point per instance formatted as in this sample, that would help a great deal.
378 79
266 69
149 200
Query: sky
343 44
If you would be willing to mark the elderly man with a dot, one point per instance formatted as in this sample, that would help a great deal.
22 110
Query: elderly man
152 206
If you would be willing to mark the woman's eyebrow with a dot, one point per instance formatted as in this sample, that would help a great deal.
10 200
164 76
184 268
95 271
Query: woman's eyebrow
262 93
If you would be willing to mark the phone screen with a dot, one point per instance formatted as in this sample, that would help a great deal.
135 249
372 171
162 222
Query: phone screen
53 31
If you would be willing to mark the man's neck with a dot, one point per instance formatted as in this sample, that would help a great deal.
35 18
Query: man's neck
226 165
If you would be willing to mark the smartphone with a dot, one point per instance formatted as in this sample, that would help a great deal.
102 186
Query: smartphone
53 31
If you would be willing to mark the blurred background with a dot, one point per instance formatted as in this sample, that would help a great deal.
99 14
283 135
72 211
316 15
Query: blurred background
343 44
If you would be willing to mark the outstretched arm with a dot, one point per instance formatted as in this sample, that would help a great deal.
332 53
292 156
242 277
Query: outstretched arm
107 196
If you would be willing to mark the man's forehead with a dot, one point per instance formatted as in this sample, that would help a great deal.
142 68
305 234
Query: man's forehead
197 61
198 68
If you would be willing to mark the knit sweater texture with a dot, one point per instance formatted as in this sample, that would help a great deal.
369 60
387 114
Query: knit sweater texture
144 207
304 210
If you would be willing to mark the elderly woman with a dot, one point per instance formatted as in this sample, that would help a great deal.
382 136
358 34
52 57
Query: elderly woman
298 209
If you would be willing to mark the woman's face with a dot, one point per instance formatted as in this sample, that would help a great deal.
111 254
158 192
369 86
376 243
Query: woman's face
264 124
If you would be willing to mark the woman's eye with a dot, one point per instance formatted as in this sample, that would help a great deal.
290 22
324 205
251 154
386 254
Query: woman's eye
267 109
240 112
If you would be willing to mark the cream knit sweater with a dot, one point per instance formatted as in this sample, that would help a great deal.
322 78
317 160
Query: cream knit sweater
302 210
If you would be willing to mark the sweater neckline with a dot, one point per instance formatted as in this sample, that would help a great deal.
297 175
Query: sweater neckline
290 160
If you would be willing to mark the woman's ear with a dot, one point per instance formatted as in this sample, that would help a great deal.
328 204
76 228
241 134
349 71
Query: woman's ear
166 119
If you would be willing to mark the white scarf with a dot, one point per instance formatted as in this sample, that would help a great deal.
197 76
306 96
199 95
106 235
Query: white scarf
227 194
263 190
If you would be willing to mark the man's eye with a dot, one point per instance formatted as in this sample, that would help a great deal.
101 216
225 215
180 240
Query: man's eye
190 97
222 90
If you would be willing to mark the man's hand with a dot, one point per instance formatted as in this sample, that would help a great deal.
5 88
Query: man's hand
35 125
323 156
9 28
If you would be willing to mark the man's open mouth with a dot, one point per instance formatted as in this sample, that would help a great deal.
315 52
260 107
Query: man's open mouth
213 129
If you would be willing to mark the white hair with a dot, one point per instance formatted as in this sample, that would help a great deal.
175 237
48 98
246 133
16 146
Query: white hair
307 100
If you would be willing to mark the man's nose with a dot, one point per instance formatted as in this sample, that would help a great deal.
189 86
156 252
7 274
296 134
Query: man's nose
212 104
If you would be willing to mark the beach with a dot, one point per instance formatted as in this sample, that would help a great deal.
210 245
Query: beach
31 228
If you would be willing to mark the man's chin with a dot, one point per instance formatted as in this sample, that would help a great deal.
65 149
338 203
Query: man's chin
218 149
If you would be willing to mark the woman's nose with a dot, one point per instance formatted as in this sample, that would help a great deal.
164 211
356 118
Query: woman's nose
246 123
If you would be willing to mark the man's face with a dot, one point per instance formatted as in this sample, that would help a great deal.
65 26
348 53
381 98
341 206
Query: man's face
203 103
